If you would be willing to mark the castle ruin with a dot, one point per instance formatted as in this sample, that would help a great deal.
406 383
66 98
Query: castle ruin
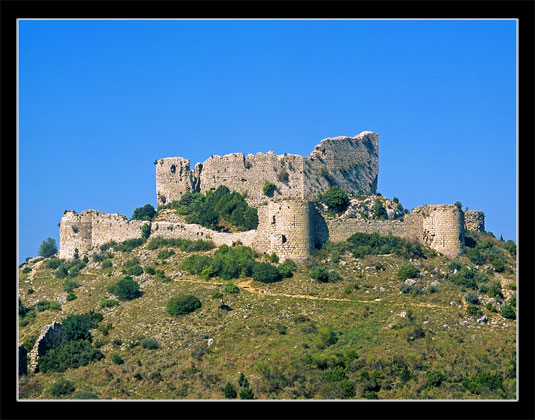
290 224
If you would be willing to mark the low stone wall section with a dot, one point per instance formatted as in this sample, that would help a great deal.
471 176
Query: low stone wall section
195 232
49 338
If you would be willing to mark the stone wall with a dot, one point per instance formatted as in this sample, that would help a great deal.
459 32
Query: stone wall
439 227
350 162
474 220
49 338
196 232
92 228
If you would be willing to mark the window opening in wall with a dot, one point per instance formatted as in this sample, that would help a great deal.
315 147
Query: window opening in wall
173 169
283 239
273 221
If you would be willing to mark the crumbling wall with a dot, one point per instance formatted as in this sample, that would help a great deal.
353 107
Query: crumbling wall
92 228
439 227
174 178
350 162
474 220
49 338
195 232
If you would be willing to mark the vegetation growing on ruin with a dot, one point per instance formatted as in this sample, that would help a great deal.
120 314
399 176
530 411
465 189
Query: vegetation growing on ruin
335 199
218 210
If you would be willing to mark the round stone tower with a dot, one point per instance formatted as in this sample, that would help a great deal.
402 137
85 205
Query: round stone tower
284 228
442 228
75 233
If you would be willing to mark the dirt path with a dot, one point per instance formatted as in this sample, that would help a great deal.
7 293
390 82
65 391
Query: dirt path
247 286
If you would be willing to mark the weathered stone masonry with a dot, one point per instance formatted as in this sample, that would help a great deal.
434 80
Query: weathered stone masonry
289 224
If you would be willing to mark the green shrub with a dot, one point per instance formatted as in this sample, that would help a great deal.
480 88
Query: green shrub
269 189
125 289
149 270
207 210
482 382
48 248
72 354
511 247
348 389
77 326
117 359
71 296
183 305
26 270
44 305
490 307
229 391
231 288
434 377
145 231
508 312
512 286
150 343
246 394
473 310
194 264
69 285
62 387
471 298
363 244
108 245
495 290
165 253
408 271
475 256
108 303
106 264
265 272
287 268
335 199
379 211
54 263
135 270
183 244
146 212
129 245
326 336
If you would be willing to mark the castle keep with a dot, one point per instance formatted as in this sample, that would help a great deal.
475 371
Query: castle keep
290 225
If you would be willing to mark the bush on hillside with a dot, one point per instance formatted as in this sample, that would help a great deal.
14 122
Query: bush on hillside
125 289
508 312
72 354
182 305
265 272
408 271
229 391
287 268
61 387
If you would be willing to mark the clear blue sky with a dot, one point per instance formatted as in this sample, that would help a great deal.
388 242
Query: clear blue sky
99 101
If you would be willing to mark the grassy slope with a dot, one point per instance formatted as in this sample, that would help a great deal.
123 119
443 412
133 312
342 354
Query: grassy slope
264 337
